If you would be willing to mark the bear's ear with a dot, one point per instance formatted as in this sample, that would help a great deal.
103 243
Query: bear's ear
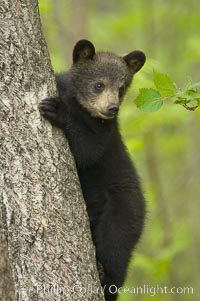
83 50
135 60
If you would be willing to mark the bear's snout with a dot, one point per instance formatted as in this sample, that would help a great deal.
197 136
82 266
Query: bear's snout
112 109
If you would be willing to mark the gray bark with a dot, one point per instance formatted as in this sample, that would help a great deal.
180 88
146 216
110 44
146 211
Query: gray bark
45 242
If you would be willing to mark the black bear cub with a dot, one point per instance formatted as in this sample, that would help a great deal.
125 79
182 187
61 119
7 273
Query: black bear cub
90 94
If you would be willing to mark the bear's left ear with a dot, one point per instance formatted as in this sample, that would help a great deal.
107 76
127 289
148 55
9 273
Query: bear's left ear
135 60
83 50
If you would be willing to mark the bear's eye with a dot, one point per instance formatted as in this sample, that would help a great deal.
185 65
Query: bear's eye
99 87
121 91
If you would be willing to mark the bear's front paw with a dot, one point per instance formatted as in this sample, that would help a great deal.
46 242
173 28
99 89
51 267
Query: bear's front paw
49 109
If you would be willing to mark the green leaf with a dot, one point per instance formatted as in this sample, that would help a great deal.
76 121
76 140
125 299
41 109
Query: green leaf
188 95
164 84
191 86
192 94
180 100
149 100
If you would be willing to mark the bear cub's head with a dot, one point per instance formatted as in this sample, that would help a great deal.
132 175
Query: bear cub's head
100 79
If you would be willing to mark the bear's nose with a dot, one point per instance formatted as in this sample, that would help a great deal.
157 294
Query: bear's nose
112 109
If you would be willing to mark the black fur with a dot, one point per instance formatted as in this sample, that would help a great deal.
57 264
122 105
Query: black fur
109 181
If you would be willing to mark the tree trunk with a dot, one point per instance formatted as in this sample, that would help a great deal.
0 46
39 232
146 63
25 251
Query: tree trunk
45 236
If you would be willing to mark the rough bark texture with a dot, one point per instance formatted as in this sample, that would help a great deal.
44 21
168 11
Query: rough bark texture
42 212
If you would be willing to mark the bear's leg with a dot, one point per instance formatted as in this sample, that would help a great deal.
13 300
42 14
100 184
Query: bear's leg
116 235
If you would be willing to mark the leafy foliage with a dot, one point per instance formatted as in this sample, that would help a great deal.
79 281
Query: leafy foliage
150 100
164 84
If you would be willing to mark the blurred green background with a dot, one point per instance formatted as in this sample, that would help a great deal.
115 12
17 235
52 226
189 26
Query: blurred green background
164 145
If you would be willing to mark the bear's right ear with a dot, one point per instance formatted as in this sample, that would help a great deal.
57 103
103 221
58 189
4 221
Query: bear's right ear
83 50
